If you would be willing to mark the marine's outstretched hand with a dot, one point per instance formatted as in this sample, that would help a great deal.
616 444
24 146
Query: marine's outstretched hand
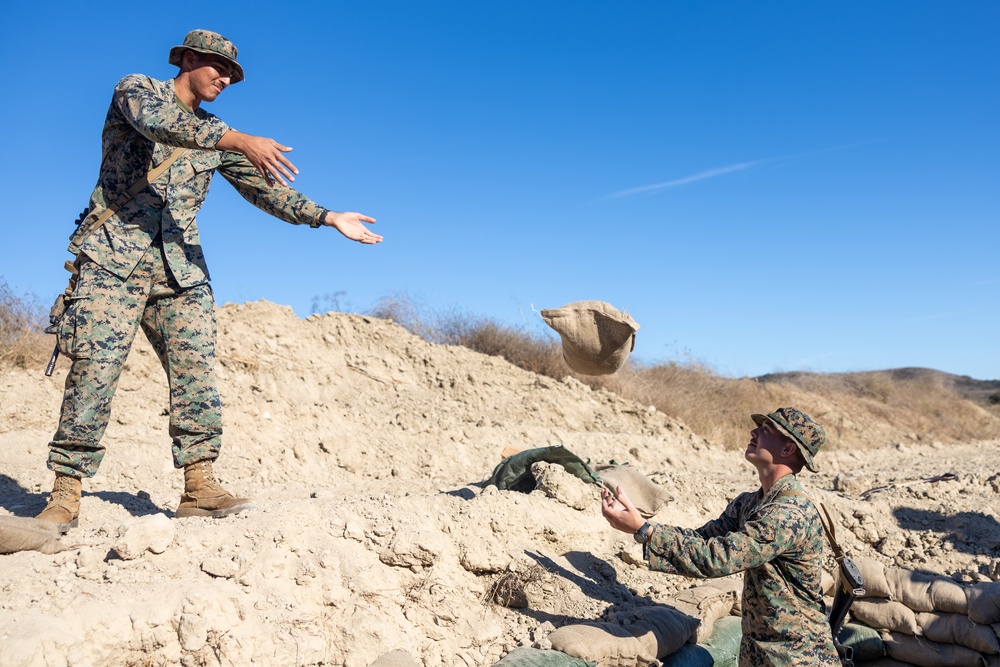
349 224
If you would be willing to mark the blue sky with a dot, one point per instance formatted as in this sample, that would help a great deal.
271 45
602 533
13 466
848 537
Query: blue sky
763 186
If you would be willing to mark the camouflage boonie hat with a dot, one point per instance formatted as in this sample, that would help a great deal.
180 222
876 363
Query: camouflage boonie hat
800 427
210 43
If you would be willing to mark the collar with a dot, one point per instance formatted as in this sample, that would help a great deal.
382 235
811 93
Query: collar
789 481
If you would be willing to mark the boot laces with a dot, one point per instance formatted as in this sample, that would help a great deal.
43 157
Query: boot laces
62 490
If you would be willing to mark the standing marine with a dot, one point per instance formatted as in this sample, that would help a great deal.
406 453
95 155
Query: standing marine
139 263
773 535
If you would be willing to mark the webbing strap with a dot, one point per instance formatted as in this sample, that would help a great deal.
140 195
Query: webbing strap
137 187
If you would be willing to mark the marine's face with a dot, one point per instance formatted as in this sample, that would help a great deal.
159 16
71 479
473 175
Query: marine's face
209 75
766 444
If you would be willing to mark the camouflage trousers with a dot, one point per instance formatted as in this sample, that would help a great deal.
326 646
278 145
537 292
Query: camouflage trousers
96 333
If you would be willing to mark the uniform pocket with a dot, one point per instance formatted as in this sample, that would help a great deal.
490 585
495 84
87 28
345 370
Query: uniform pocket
74 335
202 161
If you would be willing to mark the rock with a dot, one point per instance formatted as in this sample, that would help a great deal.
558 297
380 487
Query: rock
220 567
150 533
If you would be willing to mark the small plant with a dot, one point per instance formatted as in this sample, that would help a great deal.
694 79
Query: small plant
22 321
510 589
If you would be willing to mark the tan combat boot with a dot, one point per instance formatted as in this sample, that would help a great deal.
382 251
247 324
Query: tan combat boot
204 496
64 503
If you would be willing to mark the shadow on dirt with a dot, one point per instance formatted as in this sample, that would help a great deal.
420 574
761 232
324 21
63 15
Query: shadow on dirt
967 532
19 501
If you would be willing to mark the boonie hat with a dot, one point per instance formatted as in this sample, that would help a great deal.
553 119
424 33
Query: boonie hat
800 427
210 43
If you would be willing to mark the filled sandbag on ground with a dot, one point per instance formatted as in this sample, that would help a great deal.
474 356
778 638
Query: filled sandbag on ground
28 534
596 337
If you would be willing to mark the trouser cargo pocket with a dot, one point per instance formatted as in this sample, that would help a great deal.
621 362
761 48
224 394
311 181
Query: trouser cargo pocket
74 335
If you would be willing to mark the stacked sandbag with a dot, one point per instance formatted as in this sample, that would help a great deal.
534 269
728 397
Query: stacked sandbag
652 633
930 620
641 638
708 604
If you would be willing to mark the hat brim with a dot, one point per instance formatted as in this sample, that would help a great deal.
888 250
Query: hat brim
760 419
177 53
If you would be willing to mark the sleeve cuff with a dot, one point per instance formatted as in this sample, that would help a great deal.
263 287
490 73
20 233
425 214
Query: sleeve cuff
318 221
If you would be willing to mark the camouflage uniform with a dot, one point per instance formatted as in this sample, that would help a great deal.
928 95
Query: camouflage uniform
145 268
778 543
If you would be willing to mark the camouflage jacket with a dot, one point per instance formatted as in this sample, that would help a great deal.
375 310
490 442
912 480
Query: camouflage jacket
145 122
778 544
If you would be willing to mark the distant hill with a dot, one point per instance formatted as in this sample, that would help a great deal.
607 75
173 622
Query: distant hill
983 392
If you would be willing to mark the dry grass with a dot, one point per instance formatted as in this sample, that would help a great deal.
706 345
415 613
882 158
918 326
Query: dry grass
22 321
858 409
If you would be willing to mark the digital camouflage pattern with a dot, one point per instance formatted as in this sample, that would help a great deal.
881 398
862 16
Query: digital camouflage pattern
206 41
144 124
778 545
96 332
145 268
800 427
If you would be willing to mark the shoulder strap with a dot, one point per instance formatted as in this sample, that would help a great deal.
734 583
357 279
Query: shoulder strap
138 187
81 235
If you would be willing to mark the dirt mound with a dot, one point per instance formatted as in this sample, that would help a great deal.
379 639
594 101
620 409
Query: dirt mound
361 444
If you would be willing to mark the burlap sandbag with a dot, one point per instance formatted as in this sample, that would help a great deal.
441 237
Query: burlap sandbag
925 653
596 337
926 592
647 635
984 602
24 534
828 583
397 658
707 604
958 629
647 497
885 615
873 572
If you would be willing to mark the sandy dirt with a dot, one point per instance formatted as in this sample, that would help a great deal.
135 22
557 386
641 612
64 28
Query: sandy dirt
362 445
